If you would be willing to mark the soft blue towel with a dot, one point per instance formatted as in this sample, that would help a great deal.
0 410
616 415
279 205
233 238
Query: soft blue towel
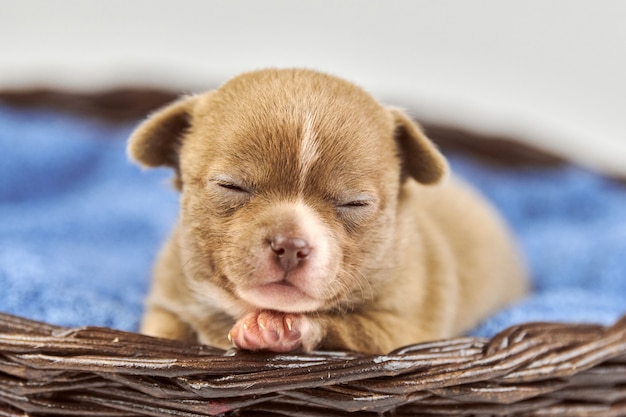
80 226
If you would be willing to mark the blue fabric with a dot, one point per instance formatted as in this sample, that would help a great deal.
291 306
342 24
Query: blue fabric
80 226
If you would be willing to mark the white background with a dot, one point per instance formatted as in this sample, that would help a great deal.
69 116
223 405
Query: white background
550 71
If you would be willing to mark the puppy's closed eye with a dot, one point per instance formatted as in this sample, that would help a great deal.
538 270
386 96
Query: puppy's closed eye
232 184
233 187
229 193
353 211
358 203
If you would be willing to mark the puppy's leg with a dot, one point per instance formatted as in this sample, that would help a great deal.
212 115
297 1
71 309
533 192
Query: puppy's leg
379 332
159 322
276 332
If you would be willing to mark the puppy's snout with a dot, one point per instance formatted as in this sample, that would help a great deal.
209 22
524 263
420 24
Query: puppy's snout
289 252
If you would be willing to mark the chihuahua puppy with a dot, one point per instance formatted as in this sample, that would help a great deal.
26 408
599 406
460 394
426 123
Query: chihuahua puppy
313 217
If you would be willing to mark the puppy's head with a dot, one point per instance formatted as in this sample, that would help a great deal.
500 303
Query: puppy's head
290 182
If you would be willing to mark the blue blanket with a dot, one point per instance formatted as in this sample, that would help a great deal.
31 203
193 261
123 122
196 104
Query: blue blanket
80 226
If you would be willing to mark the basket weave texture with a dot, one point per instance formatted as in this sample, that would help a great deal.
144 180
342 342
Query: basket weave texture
534 369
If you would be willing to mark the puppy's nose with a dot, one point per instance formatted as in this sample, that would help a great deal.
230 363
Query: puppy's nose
290 252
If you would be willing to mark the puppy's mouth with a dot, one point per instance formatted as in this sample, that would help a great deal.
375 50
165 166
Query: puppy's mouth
280 296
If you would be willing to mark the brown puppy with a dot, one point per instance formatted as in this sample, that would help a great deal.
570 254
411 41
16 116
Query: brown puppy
313 217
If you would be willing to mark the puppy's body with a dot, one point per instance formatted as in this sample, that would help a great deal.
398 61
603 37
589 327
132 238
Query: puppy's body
313 217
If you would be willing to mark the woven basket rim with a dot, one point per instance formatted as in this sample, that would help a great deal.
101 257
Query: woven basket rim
527 369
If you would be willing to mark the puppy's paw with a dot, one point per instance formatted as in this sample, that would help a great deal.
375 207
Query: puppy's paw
276 332
158 322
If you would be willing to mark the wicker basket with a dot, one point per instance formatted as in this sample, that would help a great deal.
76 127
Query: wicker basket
535 369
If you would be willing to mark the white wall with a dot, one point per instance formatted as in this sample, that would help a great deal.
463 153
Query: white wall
553 71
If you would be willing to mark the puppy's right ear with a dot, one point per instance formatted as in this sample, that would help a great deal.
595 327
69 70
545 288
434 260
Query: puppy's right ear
157 140
420 157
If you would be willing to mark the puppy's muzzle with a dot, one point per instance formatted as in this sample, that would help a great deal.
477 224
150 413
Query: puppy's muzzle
289 252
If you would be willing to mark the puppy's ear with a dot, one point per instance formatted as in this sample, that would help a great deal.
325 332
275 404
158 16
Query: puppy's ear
157 140
420 157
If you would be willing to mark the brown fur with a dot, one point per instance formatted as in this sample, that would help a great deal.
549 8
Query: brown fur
400 251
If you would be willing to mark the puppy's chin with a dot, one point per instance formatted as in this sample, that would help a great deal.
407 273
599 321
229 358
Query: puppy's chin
280 296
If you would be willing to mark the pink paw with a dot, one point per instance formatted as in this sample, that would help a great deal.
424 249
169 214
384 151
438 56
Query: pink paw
274 331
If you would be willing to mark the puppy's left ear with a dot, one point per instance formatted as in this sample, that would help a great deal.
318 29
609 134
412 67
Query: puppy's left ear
420 157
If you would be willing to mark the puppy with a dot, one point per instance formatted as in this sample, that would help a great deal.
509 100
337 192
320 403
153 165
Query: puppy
313 217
